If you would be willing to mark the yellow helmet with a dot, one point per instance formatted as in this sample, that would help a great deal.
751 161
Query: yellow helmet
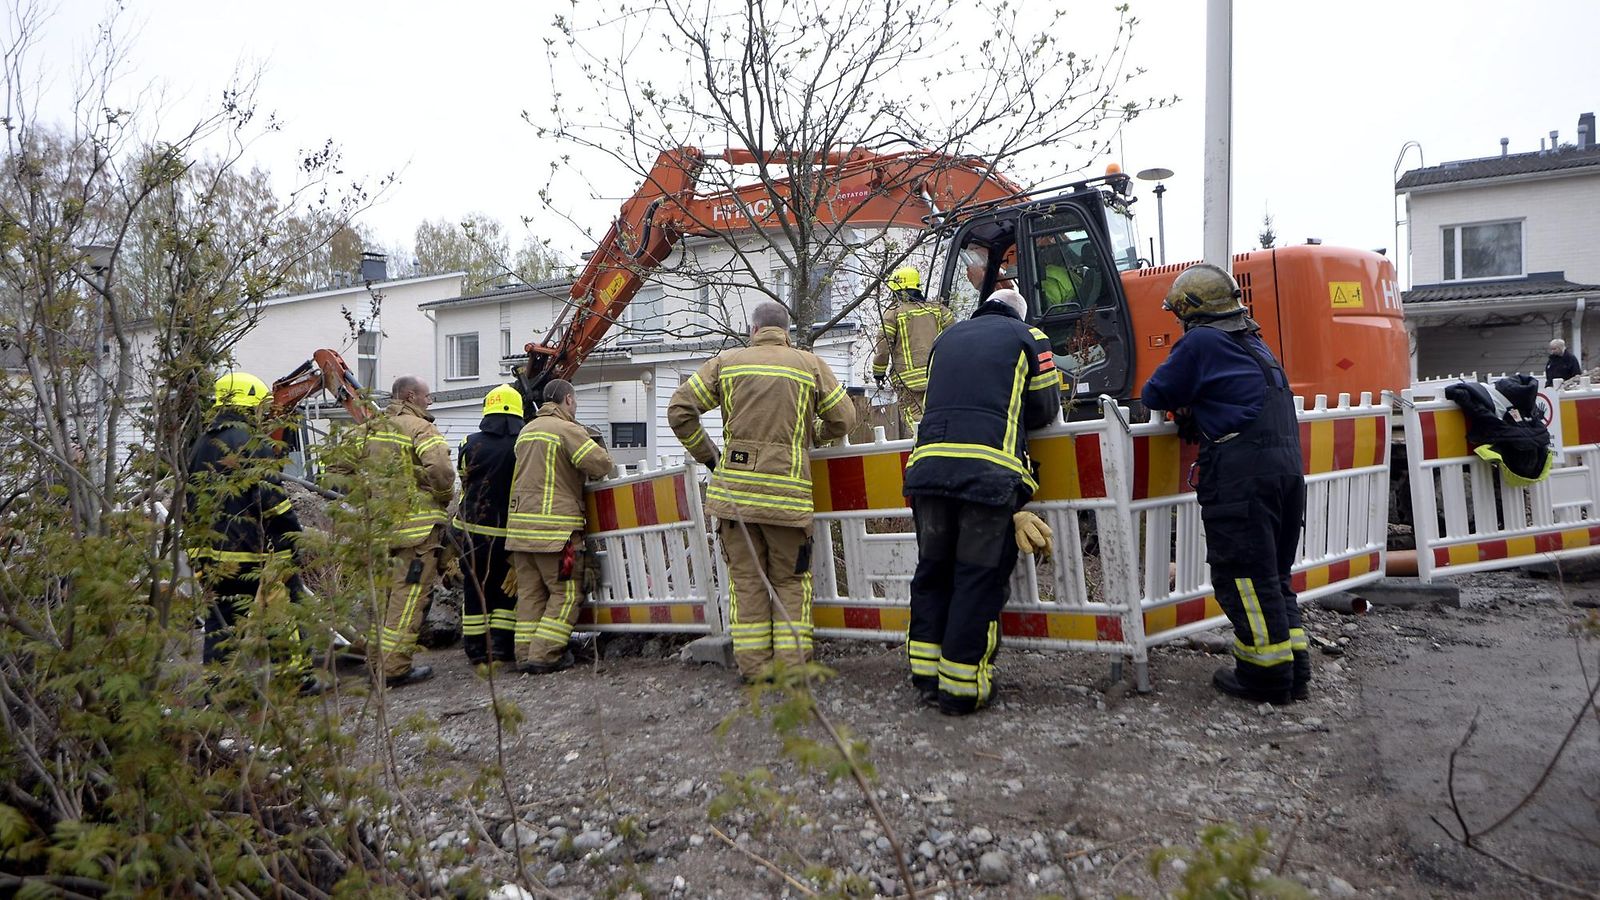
241 389
1203 291
905 278
503 399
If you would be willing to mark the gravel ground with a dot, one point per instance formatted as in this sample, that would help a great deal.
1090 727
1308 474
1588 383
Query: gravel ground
1063 787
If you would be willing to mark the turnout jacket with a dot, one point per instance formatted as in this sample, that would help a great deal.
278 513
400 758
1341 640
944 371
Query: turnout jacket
553 455
486 461
991 379
251 517
404 436
910 327
773 397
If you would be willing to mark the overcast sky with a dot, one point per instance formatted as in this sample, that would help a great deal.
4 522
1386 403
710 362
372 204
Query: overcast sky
1325 95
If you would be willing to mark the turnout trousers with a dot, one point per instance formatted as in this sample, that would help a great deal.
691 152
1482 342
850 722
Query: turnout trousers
911 404
488 610
232 588
1252 499
547 604
965 554
410 593
766 628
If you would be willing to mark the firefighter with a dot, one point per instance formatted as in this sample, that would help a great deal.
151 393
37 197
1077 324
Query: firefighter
910 326
772 397
544 529
486 461
404 436
1229 393
251 521
991 379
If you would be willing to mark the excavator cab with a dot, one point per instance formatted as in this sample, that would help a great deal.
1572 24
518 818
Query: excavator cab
1057 252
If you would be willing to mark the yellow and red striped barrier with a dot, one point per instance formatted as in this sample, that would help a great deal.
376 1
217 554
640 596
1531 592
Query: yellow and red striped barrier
1468 519
649 534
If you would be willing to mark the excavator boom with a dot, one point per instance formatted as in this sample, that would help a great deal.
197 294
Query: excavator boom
324 371
861 187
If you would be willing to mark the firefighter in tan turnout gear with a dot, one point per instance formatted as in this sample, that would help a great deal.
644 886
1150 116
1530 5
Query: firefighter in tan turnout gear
405 436
544 528
777 401
910 326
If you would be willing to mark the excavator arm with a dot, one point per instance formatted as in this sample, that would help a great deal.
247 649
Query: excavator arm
324 371
906 189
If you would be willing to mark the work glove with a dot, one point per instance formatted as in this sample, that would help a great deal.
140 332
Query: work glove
1188 430
711 464
880 379
509 585
1033 535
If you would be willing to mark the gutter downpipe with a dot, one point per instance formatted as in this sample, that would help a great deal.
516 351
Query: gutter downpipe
1218 193
1577 329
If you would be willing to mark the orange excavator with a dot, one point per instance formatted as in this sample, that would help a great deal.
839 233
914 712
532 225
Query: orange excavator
859 187
324 371
1331 314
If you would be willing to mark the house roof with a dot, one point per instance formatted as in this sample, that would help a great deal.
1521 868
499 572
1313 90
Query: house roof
1532 286
551 288
1500 167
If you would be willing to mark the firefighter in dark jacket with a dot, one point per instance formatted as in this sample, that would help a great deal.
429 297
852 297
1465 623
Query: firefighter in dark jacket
486 460
249 520
991 379
1230 394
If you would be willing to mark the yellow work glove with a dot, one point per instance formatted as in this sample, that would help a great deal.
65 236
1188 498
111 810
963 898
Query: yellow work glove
509 585
1033 535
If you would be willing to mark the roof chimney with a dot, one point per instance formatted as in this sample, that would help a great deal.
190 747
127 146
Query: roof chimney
1554 142
374 267
1504 143
1586 134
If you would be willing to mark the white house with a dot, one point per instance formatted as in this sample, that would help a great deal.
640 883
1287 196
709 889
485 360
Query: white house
670 328
374 322
1503 257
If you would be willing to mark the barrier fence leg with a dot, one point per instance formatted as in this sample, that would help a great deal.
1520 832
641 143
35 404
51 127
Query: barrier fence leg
1118 550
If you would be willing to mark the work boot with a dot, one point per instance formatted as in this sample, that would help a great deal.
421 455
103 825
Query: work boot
1302 676
927 687
416 674
312 686
1227 681
565 662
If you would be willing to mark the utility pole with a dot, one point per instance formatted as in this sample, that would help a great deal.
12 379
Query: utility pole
1218 196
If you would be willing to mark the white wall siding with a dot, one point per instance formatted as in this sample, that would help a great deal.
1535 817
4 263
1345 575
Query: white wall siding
1561 217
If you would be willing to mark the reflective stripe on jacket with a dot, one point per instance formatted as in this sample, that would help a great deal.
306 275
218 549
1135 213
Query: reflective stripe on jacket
771 396
910 327
251 517
553 454
408 432
487 459
991 379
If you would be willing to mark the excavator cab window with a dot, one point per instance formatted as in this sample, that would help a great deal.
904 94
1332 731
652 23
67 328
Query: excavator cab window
982 260
1075 293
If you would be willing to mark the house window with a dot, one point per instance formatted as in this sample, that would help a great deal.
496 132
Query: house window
462 353
628 434
505 342
367 358
644 313
1487 250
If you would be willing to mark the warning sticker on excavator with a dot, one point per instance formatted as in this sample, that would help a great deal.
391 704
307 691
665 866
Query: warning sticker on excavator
1345 294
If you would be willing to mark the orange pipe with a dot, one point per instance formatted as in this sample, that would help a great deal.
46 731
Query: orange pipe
1400 563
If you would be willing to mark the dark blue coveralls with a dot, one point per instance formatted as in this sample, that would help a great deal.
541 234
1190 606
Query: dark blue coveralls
488 612
1251 491
991 379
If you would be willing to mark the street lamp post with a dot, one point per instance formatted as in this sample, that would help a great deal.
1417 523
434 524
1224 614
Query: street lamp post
1157 174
